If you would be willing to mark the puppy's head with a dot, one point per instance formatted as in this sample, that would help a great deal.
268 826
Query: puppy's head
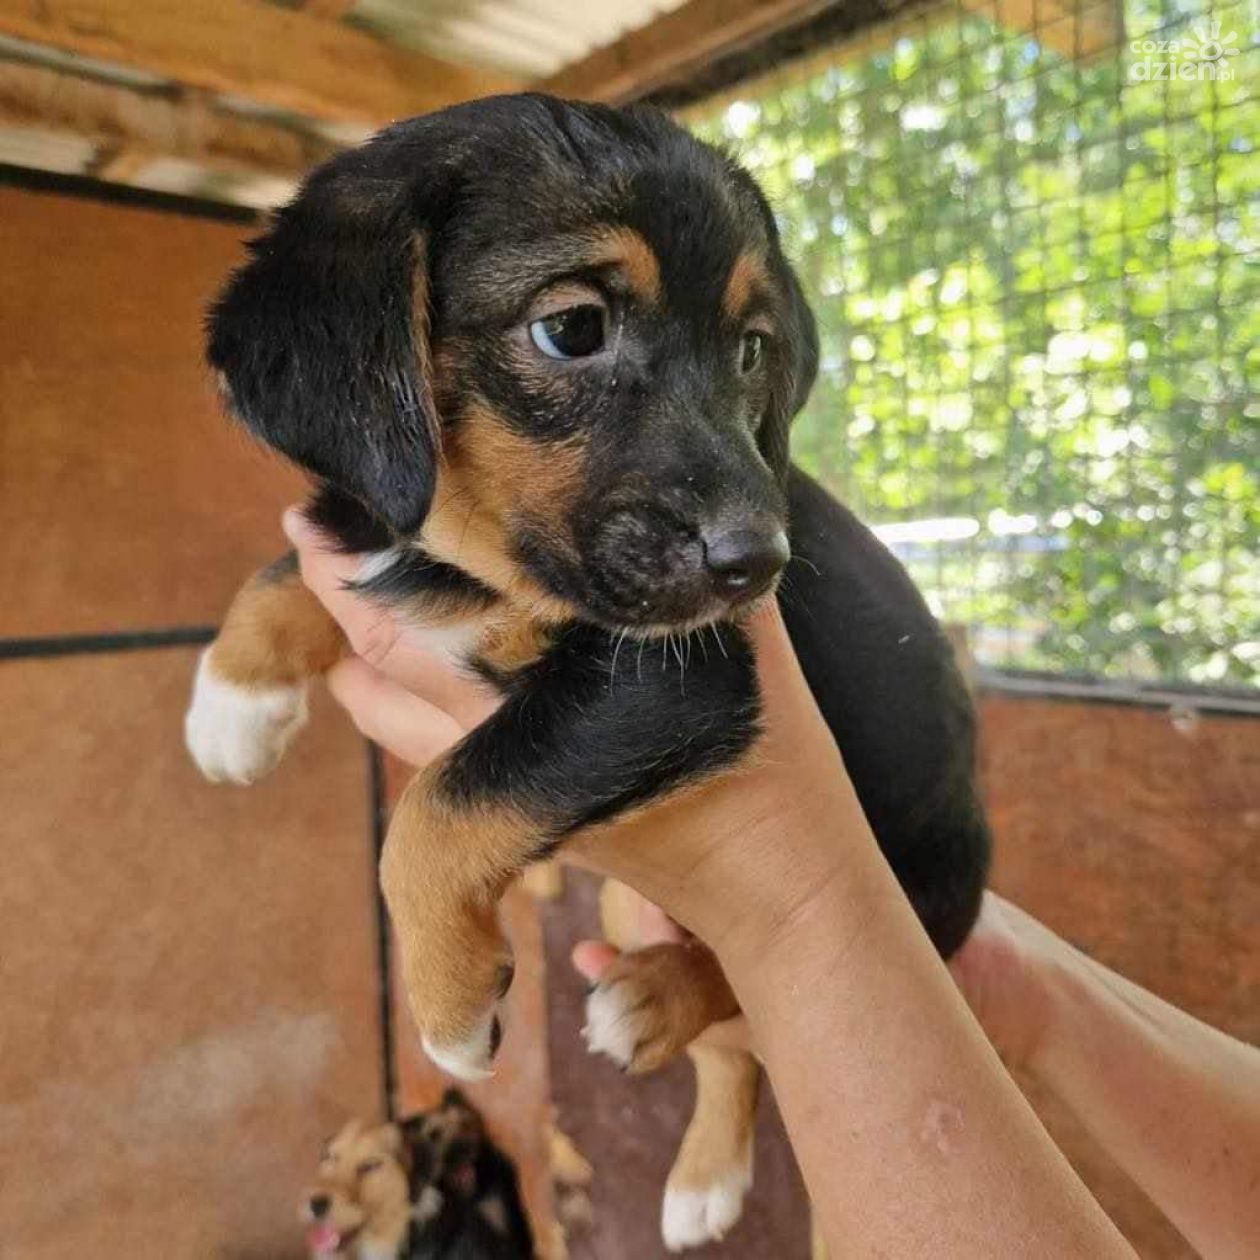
443 1145
559 343
361 1192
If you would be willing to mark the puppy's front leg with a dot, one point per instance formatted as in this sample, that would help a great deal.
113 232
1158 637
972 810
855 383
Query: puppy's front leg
249 695
575 743
445 865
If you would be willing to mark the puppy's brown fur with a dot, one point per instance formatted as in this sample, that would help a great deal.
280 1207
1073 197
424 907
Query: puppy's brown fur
276 632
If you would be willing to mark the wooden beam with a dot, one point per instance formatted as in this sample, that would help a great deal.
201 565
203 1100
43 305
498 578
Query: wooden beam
286 59
333 10
132 126
120 164
675 44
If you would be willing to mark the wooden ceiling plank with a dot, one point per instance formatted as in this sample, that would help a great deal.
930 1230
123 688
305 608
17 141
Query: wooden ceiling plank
284 58
130 125
675 43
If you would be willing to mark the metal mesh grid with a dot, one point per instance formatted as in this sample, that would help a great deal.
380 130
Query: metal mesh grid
1035 260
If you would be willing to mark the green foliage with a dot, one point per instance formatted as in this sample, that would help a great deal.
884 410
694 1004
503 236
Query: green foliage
1037 282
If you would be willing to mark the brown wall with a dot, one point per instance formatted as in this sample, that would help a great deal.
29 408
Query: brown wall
1136 837
190 998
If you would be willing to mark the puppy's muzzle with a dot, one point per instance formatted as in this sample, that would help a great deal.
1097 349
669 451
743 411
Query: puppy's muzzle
652 567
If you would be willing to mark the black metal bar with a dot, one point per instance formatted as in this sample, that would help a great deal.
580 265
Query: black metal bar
84 187
43 647
378 813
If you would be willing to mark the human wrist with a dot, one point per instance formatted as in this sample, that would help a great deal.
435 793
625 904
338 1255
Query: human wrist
791 882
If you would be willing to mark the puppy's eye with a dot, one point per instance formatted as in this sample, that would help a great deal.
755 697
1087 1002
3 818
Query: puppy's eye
752 350
368 1165
572 334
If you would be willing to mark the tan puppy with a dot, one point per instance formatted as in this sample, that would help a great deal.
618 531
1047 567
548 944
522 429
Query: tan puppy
359 1205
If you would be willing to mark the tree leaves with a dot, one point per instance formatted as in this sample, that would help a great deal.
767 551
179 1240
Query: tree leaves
1037 283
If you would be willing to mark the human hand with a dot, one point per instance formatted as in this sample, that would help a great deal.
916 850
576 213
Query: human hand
396 691
761 837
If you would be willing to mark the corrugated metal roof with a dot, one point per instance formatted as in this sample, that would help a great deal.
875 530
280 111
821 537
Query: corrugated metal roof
530 38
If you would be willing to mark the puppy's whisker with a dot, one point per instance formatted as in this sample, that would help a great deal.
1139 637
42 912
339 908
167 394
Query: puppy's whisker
621 638
463 533
717 634
795 558
452 496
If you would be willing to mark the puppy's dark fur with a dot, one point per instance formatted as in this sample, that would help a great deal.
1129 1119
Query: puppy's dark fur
384 336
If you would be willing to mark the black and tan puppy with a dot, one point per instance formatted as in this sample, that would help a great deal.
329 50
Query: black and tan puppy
541 359
432 1187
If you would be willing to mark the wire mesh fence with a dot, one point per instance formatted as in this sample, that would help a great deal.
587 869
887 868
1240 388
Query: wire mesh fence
1031 233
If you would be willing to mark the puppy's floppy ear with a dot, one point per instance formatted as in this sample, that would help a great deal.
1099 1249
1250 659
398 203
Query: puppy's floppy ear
321 338
797 374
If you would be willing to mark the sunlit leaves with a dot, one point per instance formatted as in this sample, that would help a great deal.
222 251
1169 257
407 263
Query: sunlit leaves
1037 283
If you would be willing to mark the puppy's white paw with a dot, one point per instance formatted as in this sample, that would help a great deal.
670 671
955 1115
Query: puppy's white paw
237 734
693 1216
470 1058
611 1027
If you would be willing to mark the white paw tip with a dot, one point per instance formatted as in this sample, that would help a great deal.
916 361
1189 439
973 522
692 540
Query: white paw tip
609 1025
237 734
693 1217
471 1058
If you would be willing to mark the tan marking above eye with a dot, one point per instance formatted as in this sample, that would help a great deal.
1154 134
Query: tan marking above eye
563 297
624 248
748 280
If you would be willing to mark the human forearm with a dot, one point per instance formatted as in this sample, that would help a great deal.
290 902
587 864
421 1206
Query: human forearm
1175 1102
912 1138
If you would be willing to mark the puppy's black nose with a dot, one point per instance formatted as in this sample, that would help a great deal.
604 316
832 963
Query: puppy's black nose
742 562
320 1203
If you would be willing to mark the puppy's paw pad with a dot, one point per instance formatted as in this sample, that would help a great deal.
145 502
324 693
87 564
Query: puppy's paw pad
613 1026
691 1217
237 734
469 1058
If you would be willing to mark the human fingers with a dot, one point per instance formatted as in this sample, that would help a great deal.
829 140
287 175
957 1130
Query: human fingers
592 958
790 715
406 725
377 636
